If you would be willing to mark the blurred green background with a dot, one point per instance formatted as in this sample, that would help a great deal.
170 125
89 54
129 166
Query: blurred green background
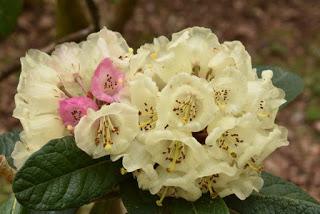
284 33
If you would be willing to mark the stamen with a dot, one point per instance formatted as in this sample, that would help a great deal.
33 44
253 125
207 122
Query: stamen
253 165
147 118
105 131
163 195
221 97
228 142
262 112
78 80
176 155
123 171
186 109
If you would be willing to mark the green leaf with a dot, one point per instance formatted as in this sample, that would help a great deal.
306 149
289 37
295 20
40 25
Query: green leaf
204 205
61 176
291 83
12 206
7 143
137 201
9 11
276 196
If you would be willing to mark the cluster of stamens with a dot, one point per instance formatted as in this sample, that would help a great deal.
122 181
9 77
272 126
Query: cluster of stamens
252 164
175 153
109 84
185 108
228 142
221 97
261 110
105 131
147 117
207 183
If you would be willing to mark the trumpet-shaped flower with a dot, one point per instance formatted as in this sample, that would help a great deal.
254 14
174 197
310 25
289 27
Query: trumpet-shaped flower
186 103
72 109
48 81
108 131
107 82
174 150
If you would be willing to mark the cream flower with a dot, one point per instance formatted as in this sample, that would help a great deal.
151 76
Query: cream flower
175 184
230 88
144 95
264 99
186 102
241 184
47 81
76 69
174 150
240 140
109 130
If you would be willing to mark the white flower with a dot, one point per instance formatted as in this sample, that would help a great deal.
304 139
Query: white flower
174 150
46 80
144 95
186 102
230 88
109 130
232 55
76 69
241 184
242 145
264 99
37 105
175 184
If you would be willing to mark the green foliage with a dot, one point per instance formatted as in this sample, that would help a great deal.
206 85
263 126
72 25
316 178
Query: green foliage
7 143
9 11
12 206
291 83
61 176
204 205
276 196
137 201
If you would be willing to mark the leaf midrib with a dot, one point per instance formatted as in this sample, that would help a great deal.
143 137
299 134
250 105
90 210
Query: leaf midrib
48 181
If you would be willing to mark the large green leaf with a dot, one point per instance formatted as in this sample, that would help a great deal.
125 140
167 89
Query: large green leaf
12 206
137 201
7 143
9 11
204 205
291 83
61 176
276 196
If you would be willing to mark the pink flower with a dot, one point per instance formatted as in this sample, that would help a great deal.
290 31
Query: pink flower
107 81
72 109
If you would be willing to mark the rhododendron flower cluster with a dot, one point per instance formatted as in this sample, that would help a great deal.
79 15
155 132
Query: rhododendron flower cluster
187 116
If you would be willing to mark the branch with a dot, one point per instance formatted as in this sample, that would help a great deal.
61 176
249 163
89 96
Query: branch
94 13
74 37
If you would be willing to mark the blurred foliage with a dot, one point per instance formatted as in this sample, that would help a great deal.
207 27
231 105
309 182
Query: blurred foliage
9 11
